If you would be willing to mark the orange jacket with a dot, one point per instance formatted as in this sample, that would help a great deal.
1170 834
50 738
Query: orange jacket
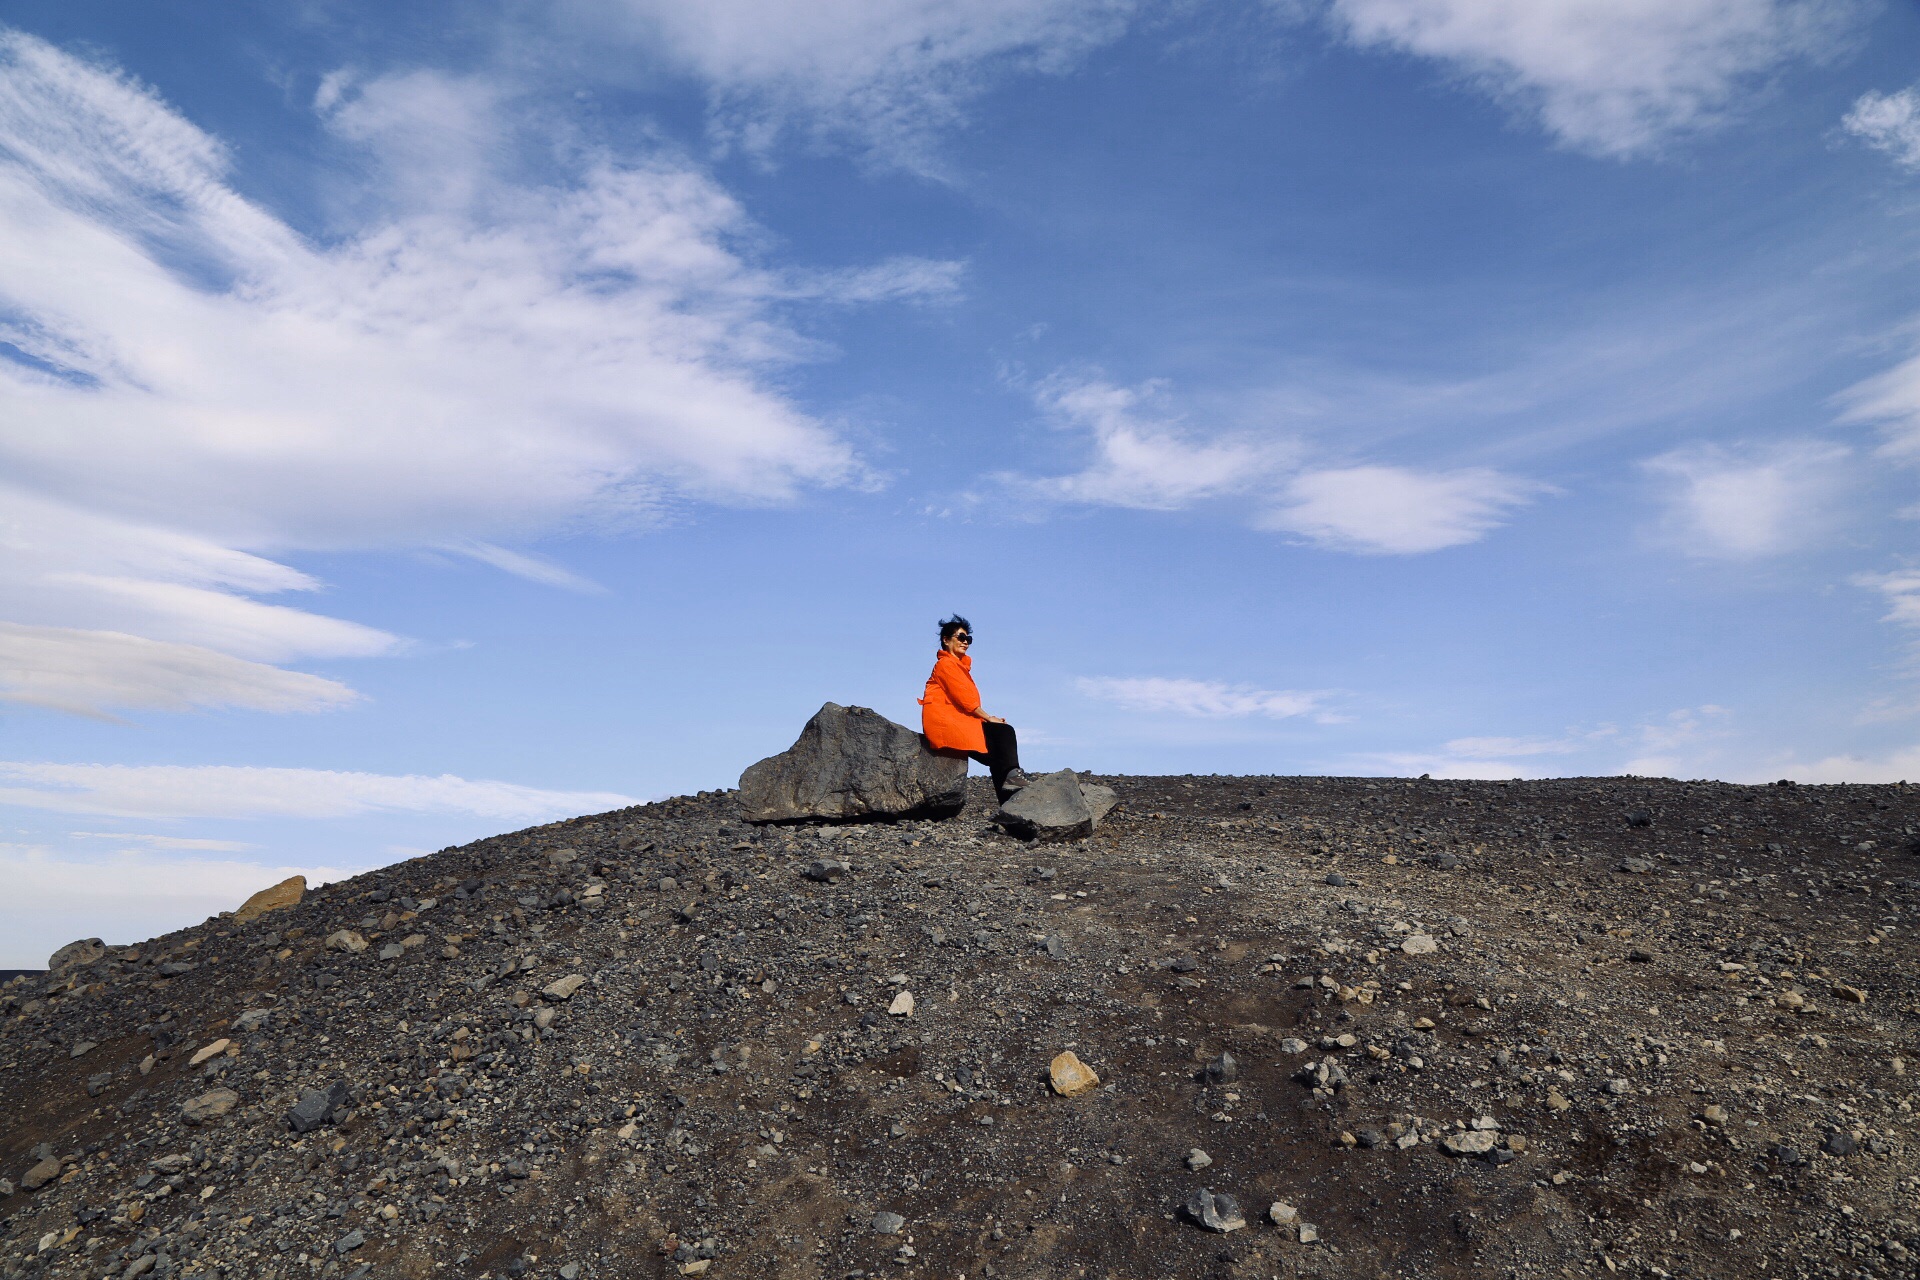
945 713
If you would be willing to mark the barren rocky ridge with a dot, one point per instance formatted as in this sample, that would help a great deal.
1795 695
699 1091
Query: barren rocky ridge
1400 1027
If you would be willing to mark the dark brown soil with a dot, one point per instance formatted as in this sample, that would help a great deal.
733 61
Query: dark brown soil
728 1089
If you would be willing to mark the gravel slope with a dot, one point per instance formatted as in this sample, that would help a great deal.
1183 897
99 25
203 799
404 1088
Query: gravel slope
1575 1027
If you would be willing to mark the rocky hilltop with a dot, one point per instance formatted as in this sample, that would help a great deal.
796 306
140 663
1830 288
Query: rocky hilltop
1250 1027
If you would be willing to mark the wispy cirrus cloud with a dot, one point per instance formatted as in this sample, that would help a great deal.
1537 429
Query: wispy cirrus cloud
84 672
1747 500
1888 122
233 791
1617 77
1146 458
1142 457
189 387
1207 699
884 75
1377 510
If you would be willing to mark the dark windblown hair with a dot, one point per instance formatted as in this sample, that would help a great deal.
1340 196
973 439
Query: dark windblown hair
950 625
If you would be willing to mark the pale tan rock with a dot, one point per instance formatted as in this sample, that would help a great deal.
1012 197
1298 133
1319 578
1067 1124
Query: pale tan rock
1474 1142
213 1050
563 988
41 1174
1557 1101
1853 995
1070 1076
1419 944
902 1006
208 1106
272 898
346 940
1283 1214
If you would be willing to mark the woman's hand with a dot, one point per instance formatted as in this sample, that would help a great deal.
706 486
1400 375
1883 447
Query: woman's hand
991 719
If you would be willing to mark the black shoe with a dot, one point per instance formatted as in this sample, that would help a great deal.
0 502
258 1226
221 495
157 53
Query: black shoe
1014 781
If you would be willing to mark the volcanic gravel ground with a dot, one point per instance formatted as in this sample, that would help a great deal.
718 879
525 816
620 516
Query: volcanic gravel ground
1672 1025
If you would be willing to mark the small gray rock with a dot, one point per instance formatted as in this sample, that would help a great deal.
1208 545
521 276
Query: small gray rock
827 870
1223 1070
1635 866
1337 880
1051 807
347 1243
888 1224
316 1107
1216 1212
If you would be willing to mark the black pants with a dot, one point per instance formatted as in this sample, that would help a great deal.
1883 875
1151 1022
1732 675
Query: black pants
1002 755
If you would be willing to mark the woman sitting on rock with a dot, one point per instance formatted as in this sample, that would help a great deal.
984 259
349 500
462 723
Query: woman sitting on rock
951 717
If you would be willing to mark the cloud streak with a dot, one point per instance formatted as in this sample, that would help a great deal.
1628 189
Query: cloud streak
1376 510
1615 77
1144 459
886 76
1204 699
228 791
1746 501
1889 122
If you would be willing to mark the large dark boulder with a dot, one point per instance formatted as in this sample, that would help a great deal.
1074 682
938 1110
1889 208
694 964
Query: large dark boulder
1055 806
851 762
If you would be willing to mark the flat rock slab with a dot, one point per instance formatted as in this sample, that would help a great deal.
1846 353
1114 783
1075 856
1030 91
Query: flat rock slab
1055 806
274 897
851 763
208 1106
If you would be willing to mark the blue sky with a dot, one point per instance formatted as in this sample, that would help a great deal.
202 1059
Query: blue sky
419 425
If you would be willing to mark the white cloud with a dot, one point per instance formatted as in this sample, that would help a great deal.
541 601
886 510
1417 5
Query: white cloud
1750 500
1891 399
1889 122
94 672
1899 765
1210 699
1146 459
144 840
1682 743
1378 510
225 791
1442 765
1490 748
53 898
885 73
521 565
1902 592
1609 76
1143 461
479 361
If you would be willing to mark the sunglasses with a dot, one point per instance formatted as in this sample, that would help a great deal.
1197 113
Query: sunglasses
963 637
